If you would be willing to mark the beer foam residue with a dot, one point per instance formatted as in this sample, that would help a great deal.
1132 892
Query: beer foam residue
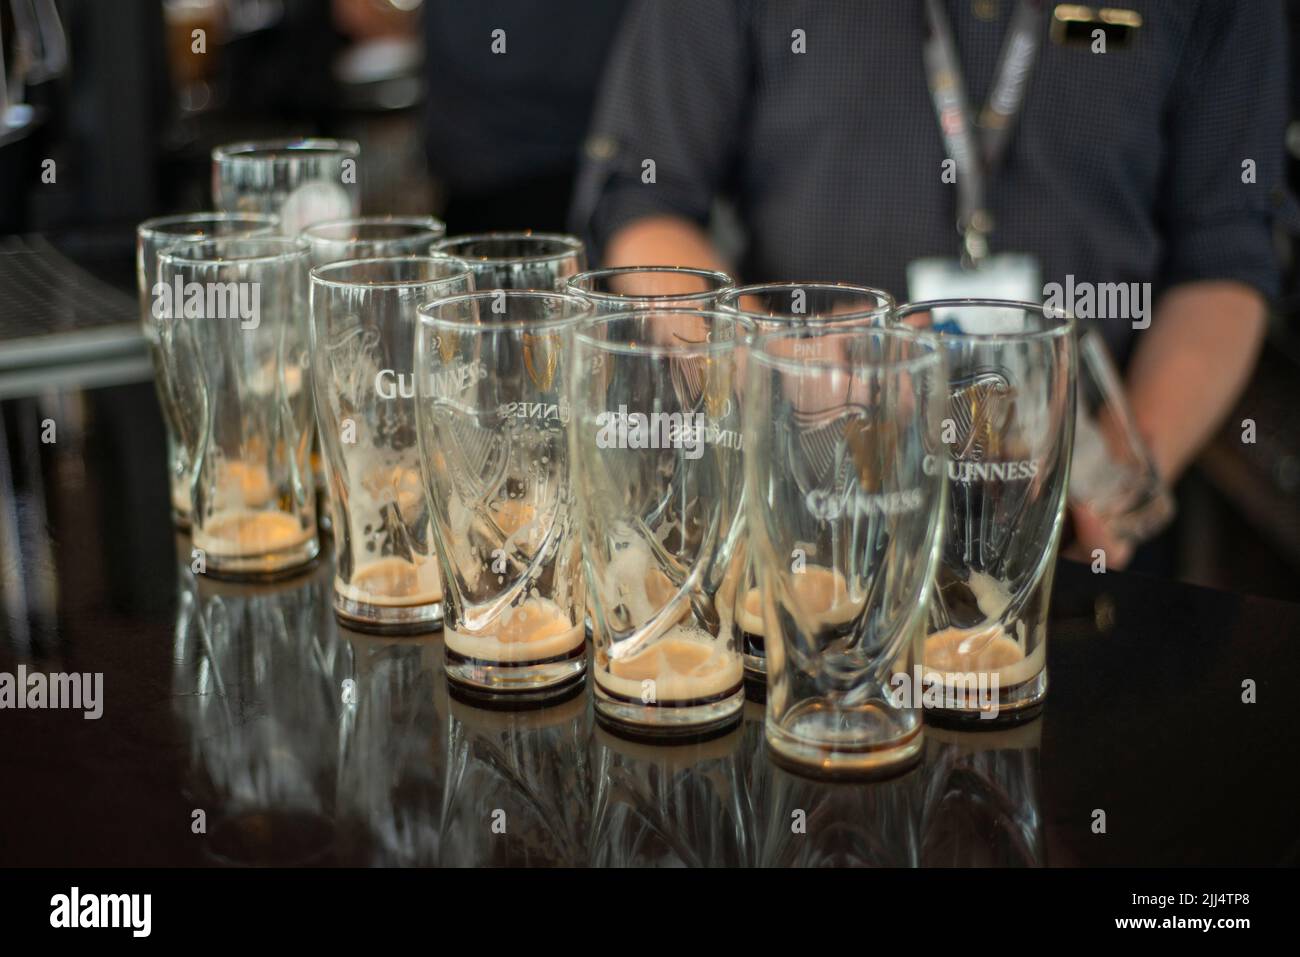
985 647
533 630
637 583
821 597
244 483
243 533
393 582
685 664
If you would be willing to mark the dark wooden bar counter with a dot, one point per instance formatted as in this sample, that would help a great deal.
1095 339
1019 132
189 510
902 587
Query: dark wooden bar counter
248 711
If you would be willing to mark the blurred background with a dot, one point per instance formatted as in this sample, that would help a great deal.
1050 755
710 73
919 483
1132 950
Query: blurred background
108 115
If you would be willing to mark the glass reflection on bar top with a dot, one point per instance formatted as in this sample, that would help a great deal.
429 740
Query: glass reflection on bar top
242 725
308 743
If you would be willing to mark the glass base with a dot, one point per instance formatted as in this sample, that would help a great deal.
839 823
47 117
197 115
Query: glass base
668 719
517 702
755 667
856 745
387 619
629 735
265 566
266 837
1014 705
513 677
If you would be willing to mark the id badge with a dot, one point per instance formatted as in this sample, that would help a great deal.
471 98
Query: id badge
1003 276
1012 276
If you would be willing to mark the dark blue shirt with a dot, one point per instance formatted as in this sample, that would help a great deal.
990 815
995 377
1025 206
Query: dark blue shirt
1125 166
498 119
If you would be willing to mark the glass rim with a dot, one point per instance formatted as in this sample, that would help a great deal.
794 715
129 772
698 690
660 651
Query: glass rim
429 223
319 277
283 148
296 246
1064 323
157 225
885 308
695 348
569 242
572 282
426 313
933 356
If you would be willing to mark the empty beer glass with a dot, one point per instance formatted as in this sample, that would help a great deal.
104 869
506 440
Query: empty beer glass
517 260
372 237
492 370
364 318
657 465
303 181
151 237
1112 474
845 502
644 287
772 307
239 308
1009 430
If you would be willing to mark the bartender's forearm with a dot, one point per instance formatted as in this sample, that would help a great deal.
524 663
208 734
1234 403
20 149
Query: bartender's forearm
1192 365
662 241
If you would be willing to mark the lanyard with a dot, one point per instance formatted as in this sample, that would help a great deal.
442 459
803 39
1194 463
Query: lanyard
978 149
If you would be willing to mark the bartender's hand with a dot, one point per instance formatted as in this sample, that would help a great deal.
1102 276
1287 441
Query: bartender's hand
1191 366
1090 534
663 240
1187 373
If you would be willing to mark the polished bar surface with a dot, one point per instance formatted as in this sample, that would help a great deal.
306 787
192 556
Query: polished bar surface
303 743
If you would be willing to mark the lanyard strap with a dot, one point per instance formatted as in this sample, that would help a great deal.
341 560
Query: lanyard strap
978 151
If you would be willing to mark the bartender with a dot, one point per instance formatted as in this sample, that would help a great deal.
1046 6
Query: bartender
1014 143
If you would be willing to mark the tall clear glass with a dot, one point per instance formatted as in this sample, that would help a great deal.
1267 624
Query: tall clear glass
492 374
845 504
239 308
650 287
773 307
372 237
1112 474
363 328
152 236
1009 432
303 181
657 464
518 260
